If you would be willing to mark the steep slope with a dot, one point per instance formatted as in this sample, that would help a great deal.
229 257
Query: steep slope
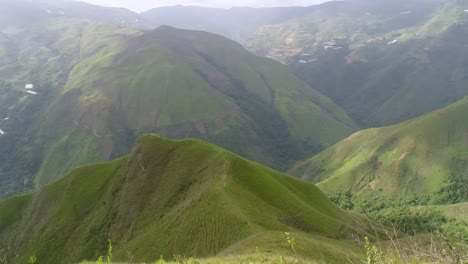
377 59
186 84
234 23
38 49
426 157
339 24
96 88
174 198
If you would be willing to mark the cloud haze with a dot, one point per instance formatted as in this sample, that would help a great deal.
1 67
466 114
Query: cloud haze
142 5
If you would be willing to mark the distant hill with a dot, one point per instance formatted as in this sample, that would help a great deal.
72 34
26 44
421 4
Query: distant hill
27 10
424 157
234 23
384 62
38 49
97 86
170 198
186 84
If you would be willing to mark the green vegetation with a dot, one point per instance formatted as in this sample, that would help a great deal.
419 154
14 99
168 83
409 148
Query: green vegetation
177 198
98 94
186 84
98 87
436 249
421 161
383 63
42 52
411 176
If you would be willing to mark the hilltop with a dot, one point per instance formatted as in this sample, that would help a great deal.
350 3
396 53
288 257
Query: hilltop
187 84
187 198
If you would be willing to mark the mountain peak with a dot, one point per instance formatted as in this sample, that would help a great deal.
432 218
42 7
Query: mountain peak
176 197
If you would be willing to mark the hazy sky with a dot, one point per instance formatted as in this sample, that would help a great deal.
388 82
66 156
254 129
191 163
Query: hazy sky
142 5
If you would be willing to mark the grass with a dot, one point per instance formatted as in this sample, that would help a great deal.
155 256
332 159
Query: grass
182 198
43 52
426 249
455 211
99 93
375 83
416 157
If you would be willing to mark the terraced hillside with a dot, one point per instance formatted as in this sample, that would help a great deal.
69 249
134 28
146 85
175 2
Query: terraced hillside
425 158
344 24
169 198
384 62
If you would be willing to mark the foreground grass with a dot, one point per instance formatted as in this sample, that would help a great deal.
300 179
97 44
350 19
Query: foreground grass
232 260
421 249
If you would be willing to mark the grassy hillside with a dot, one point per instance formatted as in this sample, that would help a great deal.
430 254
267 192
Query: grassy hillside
40 50
424 158
98 86
376 59
169 198
186 84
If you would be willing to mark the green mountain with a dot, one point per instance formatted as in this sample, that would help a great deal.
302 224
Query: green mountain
344 24
377 59
98 86
169 198
424 158
187 84
39 49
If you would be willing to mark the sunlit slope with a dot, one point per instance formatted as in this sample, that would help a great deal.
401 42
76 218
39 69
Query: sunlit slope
187 84
170 198
412 157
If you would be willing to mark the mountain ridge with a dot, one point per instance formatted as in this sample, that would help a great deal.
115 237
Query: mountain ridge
93 97
203 199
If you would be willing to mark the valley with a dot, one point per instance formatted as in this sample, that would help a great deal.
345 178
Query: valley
107 91
329 133
376 60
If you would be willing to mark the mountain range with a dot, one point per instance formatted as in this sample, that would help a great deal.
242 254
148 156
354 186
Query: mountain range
93 97
153 131
376 60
